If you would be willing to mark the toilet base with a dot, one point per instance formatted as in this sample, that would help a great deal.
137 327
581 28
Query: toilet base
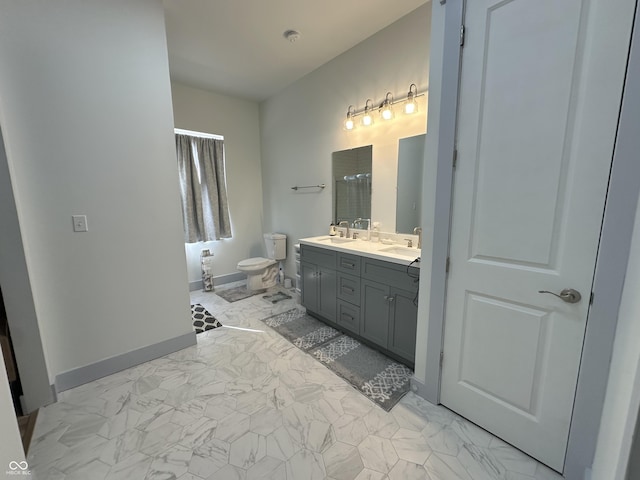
264 279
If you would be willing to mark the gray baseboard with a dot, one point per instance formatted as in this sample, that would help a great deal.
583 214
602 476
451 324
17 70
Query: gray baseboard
220 280
419 388
88 373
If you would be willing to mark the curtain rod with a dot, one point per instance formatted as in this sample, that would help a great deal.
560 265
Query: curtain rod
180 131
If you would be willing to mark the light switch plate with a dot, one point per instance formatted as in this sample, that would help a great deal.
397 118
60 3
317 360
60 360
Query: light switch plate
80 223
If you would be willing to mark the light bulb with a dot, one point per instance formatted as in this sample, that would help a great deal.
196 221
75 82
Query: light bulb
367 119
348 123
387 114
410 107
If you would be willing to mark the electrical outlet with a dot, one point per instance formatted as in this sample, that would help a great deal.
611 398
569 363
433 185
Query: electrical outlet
80 223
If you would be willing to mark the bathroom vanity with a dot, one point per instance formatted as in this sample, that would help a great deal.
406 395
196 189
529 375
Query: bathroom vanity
368 290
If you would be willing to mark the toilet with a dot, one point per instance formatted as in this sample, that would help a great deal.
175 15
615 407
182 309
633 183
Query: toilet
263 272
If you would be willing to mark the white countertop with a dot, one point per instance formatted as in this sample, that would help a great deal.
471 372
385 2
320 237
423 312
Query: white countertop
388 252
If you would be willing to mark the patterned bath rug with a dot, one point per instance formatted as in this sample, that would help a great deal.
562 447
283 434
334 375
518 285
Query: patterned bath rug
304 331
378 377
237 293
202 319
381 379
277 297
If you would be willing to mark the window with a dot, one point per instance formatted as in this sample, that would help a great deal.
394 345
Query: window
203 187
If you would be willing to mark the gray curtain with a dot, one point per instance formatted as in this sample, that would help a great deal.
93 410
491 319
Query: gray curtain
204 193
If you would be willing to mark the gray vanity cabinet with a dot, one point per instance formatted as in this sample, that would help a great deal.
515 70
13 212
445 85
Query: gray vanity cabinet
370 298
318 268
389 315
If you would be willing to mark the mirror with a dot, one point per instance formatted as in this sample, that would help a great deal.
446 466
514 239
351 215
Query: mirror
409 196
352 185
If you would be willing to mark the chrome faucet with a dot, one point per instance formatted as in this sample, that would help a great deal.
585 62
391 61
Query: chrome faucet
346 224
418 231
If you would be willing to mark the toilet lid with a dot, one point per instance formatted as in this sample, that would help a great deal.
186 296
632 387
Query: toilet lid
254 262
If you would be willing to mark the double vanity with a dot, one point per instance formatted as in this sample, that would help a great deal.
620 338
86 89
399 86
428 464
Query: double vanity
366 289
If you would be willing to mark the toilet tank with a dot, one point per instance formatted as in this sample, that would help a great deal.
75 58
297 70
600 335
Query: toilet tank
276 245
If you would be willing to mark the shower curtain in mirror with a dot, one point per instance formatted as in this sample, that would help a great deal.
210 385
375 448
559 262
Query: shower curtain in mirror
358 196
203 188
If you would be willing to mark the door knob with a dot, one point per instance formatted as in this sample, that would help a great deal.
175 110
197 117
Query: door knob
569 295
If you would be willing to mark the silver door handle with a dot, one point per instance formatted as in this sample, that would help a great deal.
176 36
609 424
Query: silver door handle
569 295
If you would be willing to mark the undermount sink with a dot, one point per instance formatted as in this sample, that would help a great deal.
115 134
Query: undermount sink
336 240
403 251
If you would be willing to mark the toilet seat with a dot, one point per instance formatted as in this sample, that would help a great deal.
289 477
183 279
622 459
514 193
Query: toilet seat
254 264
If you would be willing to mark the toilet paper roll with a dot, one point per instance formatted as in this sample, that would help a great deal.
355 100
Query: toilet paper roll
287 283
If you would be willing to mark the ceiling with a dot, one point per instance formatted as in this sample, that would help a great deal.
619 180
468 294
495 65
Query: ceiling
237 47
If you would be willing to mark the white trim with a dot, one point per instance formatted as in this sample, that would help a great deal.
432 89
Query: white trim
180 131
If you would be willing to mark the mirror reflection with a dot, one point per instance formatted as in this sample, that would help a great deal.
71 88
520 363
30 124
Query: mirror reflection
409 196
352 186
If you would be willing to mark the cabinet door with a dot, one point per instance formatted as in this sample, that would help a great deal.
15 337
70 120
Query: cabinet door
374 316
327 293
403 319
309 273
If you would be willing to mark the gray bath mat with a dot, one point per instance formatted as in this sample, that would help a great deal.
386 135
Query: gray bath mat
373 374
237 293
202 319
304 331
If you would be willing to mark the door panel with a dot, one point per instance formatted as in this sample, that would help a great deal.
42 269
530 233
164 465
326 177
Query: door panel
521 133
534 152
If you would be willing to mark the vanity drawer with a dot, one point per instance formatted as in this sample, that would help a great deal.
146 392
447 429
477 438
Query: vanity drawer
349 317
389 273
319 256
349 288
349 263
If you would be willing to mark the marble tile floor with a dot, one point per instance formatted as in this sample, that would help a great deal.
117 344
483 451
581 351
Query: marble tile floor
246 404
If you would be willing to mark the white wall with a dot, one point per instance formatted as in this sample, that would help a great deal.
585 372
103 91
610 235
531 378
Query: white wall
88 129
18 299
238 121
429 184
302 126
620 411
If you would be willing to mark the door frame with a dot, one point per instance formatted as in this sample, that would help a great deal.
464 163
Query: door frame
611 260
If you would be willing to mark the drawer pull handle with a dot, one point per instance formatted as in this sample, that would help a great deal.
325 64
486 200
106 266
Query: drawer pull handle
348 316
389 298
349 264
348 289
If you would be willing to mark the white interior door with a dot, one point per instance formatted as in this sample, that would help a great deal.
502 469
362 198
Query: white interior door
534 153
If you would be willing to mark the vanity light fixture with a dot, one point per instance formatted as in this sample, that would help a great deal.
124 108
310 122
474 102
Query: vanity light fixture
410 105
386 108
367 118
349 123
